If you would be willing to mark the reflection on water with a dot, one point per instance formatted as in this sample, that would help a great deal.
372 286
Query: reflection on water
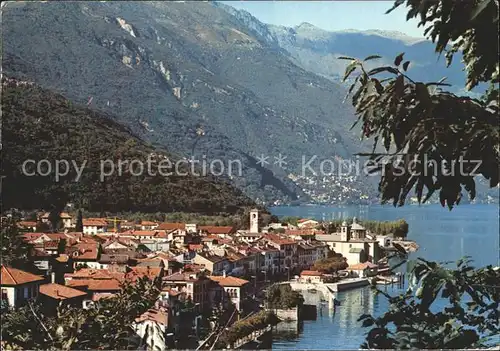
442 236
333 329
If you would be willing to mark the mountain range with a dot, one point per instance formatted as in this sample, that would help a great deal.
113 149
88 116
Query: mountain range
203 80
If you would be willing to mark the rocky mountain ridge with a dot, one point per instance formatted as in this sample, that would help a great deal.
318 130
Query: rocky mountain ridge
189 77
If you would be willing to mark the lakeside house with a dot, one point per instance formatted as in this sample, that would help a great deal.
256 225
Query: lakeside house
363 270
353 243
314 277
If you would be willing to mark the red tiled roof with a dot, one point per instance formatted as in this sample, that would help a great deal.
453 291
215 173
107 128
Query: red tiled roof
181 277
139 272
60 292
228 281
99 296
311 273
165 256
13 276
302 220
278 240
96 284
94 222
84 251
216 229
148 223
91 273
31 236
171 226
195 247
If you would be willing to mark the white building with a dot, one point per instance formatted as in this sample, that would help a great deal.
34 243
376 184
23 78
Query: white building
93 226
254 221
18 286
352 243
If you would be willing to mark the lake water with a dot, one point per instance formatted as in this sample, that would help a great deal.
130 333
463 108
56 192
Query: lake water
443 235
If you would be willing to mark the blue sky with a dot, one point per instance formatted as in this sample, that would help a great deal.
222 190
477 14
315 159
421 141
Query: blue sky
332 15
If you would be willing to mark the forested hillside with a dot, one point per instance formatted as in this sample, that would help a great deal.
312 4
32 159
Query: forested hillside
169 69
39 124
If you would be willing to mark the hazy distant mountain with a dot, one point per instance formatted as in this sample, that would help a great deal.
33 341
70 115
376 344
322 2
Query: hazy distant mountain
317 50
169 69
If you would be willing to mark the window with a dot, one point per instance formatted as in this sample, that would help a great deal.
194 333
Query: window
26 293
4 294
350 245
333 245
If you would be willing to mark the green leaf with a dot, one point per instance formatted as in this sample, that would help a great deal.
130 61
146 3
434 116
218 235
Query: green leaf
349 69
383 69
405 65
397 3
399 248
372 57
398 59
346 58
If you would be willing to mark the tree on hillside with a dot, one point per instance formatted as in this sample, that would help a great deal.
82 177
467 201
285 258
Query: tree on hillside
79 221
14 249
54 220
434 139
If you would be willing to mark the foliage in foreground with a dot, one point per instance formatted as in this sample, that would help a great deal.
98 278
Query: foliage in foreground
434 139
443 308
108 325
245 327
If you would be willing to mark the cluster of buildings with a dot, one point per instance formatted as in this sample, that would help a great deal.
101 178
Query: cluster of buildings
201 264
